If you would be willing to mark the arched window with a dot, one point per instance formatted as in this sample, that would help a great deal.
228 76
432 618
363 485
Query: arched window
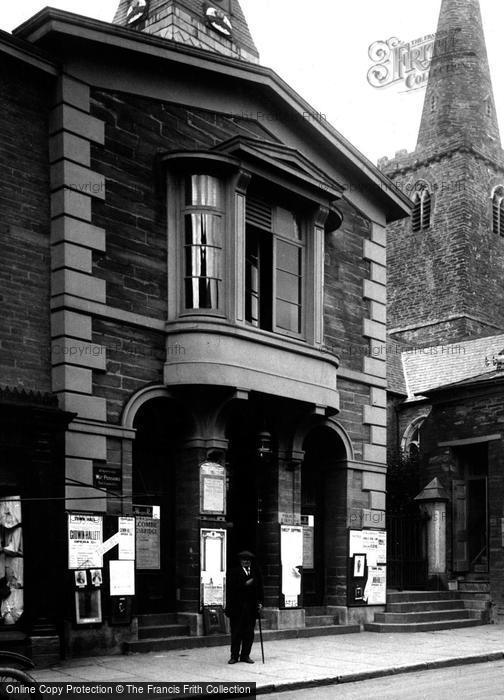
422 209
410 444
498 210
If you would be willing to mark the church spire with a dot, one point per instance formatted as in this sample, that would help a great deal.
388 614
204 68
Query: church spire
214 25
459 100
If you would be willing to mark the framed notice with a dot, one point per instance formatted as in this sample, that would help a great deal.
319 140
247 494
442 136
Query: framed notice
291 553
148 543
88 609
85 538
213 566
212 489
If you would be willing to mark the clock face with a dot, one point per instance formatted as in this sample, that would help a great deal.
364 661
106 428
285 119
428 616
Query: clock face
136 10
219 21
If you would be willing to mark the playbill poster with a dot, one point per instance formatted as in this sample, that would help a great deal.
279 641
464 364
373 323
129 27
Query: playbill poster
85 537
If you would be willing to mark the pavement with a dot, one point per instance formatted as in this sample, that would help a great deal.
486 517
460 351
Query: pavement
293 663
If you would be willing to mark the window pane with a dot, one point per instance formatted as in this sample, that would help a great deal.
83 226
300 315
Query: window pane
288 287
203 190
203 261
288 257
286 224
203 229
202 293
288 316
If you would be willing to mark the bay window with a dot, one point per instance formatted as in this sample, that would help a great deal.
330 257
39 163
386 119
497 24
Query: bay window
203 216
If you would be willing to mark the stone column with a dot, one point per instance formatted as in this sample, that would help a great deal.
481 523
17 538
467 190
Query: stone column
432 501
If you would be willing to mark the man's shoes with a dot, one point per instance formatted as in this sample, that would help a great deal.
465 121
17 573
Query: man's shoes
232 660
247 660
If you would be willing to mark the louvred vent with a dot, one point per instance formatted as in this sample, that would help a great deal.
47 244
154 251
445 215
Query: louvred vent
417 213
258 212
426 213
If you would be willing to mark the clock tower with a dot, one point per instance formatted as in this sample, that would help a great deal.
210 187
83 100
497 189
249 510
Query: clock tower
214 25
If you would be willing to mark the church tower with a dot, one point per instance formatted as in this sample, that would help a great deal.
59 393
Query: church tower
217 25
446 264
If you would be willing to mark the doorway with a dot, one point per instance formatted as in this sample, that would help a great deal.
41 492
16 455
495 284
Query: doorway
470 510
322 511
154 480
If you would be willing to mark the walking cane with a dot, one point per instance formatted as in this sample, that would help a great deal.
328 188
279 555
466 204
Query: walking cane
260 634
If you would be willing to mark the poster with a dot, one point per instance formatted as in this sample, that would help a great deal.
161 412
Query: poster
367 571
291 552
213 566
85 537
122 577
126 538
148 543
212 488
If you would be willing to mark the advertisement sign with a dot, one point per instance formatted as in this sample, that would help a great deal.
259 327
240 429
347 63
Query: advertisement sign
126 538
122 577
367 577
85 538
213 566
291 552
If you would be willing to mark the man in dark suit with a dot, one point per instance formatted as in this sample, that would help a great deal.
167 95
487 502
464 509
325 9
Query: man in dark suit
244 600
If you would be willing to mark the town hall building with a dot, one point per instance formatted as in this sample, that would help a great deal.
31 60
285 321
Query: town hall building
184 283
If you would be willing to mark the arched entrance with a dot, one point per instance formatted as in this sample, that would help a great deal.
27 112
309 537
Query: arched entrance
160 426
323 513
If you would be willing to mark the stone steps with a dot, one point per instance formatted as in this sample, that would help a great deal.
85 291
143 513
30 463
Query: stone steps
426 611
421 626
163 631
425 616
183 642
317 616
421 606
319 620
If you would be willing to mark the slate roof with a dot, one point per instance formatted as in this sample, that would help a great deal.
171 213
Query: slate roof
442 365
396 382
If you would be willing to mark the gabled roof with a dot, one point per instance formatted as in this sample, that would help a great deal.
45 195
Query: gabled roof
27 53
62 30
442 365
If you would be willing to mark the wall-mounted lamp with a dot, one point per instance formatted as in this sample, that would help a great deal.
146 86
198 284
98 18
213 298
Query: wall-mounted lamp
264 445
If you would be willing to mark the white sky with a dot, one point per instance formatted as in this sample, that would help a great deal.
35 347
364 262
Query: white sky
321 47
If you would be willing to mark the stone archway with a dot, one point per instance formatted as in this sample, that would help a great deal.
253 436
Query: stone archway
324 448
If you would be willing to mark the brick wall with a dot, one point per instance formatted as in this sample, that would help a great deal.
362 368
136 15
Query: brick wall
345 307
135 358
24 227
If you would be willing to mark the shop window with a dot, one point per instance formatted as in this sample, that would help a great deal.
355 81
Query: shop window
498 211
422 209
203 217
274 267
11 560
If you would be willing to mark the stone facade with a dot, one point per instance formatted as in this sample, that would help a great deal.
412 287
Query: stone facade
153 388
